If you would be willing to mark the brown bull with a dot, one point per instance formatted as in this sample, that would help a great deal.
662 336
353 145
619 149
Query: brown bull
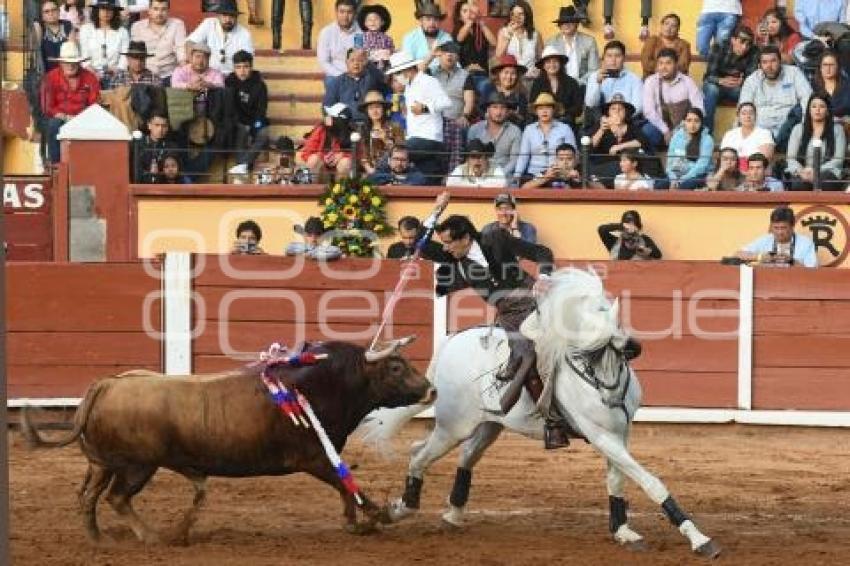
130 425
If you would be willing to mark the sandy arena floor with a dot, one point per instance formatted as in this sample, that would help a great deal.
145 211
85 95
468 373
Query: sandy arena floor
767 495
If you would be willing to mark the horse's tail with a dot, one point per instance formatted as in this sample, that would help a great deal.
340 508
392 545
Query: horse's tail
36 440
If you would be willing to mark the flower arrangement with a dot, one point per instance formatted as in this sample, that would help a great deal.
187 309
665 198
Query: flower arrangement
352 208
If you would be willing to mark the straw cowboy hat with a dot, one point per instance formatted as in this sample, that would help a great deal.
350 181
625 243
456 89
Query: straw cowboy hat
374 97
429 9
546 99
506 61
137 49
549 53
382 12
400 61
69 53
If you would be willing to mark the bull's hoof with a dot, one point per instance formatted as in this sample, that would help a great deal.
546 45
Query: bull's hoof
710 550
361 529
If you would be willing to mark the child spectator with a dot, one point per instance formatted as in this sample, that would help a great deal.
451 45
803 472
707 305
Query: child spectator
172 173
689 154
625 240
375 21
248 95
631 178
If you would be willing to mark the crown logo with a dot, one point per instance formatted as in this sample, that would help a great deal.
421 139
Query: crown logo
820 221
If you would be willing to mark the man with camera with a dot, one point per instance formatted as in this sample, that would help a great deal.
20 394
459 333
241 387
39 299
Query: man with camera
315 244
781 246
610 79
626 241
562 174
248 236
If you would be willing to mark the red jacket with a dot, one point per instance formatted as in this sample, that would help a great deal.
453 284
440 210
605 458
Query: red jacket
315 143
58 98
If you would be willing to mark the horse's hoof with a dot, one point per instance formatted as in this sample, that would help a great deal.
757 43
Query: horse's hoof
453 520
396 510
709 550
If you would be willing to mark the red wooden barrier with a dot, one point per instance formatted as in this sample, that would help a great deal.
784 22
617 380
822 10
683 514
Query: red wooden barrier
28 218
68 324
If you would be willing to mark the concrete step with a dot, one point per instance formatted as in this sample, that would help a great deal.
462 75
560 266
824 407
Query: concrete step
292 61
295 83
295 106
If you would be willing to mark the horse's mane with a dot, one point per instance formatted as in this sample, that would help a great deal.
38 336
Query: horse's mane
560 335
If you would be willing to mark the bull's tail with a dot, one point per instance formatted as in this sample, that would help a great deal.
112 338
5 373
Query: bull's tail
36 440
381 426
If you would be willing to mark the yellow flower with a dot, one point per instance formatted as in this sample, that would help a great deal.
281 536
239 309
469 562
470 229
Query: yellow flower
328 224
376 201
352 199
337 189
379 228
332 217
329 201
349 212
367 189
368 218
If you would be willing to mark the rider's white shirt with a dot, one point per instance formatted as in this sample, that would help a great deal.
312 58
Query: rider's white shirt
475 254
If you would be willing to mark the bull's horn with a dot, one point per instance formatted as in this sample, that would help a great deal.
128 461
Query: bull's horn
392 346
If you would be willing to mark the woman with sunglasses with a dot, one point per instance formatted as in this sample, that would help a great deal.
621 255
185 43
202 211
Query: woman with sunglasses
103 40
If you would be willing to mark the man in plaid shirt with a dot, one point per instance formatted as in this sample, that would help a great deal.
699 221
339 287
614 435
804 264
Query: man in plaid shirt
136 71
728 64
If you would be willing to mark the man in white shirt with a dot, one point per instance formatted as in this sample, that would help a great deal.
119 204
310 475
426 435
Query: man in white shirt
224 36
782 246
477 170
425 101
336 39
165 39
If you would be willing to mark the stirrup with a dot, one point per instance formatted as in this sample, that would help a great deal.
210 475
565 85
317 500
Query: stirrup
554 435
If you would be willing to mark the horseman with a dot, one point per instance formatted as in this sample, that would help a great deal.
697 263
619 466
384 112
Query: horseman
489 263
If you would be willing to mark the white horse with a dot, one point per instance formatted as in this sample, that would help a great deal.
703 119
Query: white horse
579 344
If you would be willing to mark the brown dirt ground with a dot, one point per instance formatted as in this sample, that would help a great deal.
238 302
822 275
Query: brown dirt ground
767 495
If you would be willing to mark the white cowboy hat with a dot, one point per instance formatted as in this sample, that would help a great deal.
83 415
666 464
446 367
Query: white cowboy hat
400 61
69 53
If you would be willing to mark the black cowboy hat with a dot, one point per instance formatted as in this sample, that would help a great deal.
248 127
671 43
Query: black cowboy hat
429 9
111 4
499 98
223 7
568 15
619 99
374 9
449 46
476 146
137 49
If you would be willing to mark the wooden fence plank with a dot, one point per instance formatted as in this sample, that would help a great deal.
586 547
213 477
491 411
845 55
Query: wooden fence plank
802 388
686 389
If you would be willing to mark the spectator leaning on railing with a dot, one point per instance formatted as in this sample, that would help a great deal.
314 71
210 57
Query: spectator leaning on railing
780 92
496 129
165 38
224 36
410 230
781 246
66 91
477 170
819 128
315 245
248 236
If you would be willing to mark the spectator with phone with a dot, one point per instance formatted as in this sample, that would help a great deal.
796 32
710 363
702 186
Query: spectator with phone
625 240
248 236
774 29
727 176
614 134
379 134
562 174
781 246
612 78
315 242
507 219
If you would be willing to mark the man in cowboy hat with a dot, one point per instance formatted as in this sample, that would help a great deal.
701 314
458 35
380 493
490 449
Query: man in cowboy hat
351 87
336 38
421 43
579 47
165 38
305 8
248 95
136 71
316 244
223 35
540 138
477 171
66 91
425 102
497 130
197 75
